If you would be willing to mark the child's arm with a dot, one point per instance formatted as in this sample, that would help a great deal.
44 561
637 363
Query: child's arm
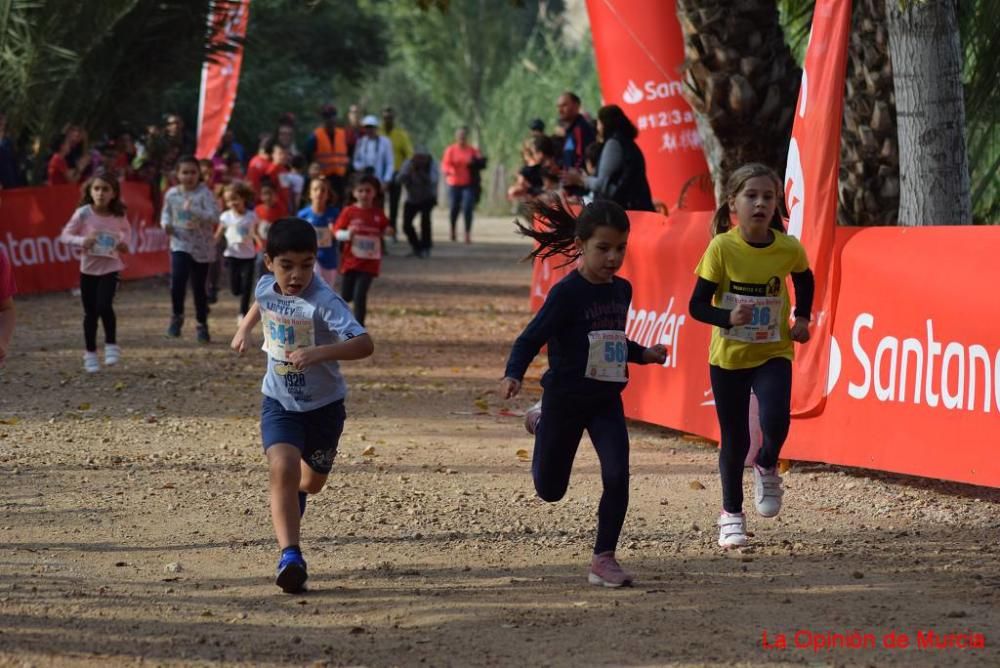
250 320
167 214
126 233
72 233
805 286
541 328
220 229
703 310
355 348
340 230
7 319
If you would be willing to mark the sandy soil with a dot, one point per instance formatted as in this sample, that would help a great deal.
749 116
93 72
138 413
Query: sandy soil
134 525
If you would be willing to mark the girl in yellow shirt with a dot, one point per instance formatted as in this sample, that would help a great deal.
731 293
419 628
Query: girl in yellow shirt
742 290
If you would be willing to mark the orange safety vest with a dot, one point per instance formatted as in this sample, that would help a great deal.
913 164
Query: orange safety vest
331 157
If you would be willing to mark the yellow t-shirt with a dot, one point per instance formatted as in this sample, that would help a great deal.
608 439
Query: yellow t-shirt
754 276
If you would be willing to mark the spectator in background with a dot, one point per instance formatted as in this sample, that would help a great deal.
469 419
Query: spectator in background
577 131
353 128
260 163
373 153
10 174
177 136
285 134
229 146
537 128
457 164
59 171
402 150
329 147
419 175
539 158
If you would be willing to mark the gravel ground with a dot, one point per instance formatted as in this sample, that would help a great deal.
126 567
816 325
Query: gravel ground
134 526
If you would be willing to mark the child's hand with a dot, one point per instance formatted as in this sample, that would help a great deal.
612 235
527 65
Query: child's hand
89 241
391 231
121 247
655 354
239 342
509 387
800 330
169 229
304 357
741 315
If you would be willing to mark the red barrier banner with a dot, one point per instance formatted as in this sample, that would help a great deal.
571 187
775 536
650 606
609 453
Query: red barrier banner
33 219
811 186
220 75
639 49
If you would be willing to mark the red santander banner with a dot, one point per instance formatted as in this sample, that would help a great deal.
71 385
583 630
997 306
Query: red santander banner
639 50
220 75
34 218
811 186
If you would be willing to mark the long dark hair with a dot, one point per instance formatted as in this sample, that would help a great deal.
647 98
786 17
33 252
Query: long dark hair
721 221
116 207
560 229
615 122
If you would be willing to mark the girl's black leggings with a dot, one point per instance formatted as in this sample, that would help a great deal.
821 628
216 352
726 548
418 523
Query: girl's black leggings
98 294
557 438
772 383
241 283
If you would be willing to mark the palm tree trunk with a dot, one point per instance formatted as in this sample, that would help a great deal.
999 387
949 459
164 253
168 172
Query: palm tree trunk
741 80
869 150
927 58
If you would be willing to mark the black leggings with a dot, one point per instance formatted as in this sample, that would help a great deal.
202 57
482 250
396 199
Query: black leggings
422 241
241 273
772 383
98 295
182 267
557 438
355 289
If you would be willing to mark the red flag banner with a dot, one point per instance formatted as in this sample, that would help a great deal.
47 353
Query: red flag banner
811 188
639 49
220 75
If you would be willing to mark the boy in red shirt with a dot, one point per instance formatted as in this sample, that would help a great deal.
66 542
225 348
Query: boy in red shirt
268 212
360 227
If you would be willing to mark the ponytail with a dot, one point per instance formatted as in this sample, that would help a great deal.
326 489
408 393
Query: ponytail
721 221
560 229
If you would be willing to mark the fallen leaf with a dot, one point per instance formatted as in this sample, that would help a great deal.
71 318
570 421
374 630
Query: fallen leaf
84 406
119 386
523 455
11 421
369 451
481 404
695 484
784 465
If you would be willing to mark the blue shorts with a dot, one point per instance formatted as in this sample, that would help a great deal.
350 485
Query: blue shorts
315 433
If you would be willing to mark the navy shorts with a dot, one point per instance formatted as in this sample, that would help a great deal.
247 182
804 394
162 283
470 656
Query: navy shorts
315 433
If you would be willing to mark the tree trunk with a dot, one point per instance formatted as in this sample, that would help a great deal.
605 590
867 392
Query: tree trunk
868 184
741 80
927 59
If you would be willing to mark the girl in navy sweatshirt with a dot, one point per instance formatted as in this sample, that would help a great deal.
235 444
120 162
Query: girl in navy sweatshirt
583 323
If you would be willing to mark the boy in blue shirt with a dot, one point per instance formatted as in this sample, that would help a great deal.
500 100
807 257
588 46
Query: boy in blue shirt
308 329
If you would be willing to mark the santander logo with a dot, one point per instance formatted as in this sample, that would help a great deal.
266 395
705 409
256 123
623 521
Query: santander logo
652 90
632 94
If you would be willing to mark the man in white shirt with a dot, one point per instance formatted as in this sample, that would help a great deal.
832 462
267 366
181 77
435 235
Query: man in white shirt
373 153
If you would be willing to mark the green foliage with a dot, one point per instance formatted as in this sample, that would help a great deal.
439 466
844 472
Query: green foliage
981 45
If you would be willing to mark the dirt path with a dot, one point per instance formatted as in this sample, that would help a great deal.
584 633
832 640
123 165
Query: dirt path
134 524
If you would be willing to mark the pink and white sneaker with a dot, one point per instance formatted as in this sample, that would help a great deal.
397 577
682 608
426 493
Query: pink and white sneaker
605 571
732 530
532 416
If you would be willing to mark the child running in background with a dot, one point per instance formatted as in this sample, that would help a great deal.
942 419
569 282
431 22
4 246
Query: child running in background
583 323
308 329
321 215
360 227
189 216
268 211
99 227
744 271
7 312
237 225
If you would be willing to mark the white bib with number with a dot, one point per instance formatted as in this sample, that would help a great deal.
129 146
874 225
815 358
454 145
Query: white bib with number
608 357
105 245
288 329
324 237
764 325
366 247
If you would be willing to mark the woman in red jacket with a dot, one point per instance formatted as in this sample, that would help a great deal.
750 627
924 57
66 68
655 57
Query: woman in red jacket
461 163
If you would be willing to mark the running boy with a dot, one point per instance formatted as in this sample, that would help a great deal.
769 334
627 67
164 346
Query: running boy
308 329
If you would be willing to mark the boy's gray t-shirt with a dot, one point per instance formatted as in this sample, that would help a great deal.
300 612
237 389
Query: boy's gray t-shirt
315 317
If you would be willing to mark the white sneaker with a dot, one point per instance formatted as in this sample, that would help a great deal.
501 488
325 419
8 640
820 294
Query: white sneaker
532 416
112 354
90 363
732 530
767 491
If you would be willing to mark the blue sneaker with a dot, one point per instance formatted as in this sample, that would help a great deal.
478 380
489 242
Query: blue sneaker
291 572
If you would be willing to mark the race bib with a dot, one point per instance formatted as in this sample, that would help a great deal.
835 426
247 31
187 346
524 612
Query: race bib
366 247
104 245
184 220
608 358
324 237
764 325
284 333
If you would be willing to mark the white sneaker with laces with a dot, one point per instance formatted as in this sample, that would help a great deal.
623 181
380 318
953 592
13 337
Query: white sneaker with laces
532 416
90 363
767 491
112 354
732 530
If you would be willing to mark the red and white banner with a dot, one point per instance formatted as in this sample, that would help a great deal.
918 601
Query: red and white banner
220 75
639 49
811 186
33 219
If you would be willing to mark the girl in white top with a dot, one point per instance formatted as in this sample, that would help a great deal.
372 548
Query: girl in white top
99 227
237 223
